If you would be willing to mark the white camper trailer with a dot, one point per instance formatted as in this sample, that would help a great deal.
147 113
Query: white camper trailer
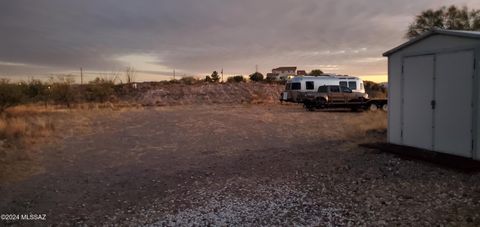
302 84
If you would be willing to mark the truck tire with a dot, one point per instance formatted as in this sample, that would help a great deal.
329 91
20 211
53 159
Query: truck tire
385 107
321 103
309 106
373 107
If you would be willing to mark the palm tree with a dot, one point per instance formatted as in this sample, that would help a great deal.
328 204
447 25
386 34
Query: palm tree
452 18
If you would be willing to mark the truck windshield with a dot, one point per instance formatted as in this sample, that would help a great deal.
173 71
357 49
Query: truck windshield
322 89
352 85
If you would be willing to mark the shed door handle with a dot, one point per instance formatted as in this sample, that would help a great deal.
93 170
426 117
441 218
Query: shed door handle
433 104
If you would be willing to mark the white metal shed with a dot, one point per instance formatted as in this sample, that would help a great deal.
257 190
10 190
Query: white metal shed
433 93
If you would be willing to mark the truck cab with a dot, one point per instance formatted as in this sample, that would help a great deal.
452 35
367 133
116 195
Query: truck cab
335 94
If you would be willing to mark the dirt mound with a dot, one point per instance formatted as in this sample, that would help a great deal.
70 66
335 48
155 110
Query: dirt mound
229 93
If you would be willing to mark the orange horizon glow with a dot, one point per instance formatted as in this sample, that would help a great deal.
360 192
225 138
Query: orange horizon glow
381 78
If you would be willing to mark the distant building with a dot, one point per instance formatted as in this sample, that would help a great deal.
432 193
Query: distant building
301 73
272 76
283 73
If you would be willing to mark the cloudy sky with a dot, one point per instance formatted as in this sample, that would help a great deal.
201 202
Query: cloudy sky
39 38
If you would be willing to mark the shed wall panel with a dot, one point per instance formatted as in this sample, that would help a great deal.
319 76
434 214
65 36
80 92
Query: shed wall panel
477 107
417 92
453 96
394 99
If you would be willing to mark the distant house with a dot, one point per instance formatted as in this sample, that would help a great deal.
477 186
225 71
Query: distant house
283 73
272 76
301 73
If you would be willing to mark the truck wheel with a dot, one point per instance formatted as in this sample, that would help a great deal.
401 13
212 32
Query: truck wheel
321 103
373 107
385 107
309 107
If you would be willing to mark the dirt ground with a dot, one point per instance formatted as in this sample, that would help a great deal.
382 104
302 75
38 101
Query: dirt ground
238 165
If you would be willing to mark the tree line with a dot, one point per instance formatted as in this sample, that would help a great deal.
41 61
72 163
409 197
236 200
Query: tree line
449 18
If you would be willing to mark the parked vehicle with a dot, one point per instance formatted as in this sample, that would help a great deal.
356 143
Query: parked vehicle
297 86
335 96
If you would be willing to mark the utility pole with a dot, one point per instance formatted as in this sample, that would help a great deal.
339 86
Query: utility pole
81 75
256 68
222 74
173 74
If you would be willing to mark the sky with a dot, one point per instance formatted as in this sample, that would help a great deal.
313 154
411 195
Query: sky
43 38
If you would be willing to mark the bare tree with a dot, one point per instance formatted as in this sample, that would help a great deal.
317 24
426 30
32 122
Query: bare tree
130 74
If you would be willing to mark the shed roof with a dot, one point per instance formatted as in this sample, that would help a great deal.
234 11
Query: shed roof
458 33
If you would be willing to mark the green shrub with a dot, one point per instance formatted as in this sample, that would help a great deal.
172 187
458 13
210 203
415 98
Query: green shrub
316 72
208 79
256 77
61 91
35 91
215 77
375 90
236 79
173 81
10 94
99 90
189 80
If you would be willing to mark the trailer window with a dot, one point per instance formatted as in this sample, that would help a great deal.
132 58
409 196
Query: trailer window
352 85
335 89
343 83
310 85
322 89
296 86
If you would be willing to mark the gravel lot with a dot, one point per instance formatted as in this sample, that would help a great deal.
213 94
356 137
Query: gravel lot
239 165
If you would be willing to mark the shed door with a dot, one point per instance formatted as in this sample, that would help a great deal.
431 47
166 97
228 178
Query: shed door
453 110
417 92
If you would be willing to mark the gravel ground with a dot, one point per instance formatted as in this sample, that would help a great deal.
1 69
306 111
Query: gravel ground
240 165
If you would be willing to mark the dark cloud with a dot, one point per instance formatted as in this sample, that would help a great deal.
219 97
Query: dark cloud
201 36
